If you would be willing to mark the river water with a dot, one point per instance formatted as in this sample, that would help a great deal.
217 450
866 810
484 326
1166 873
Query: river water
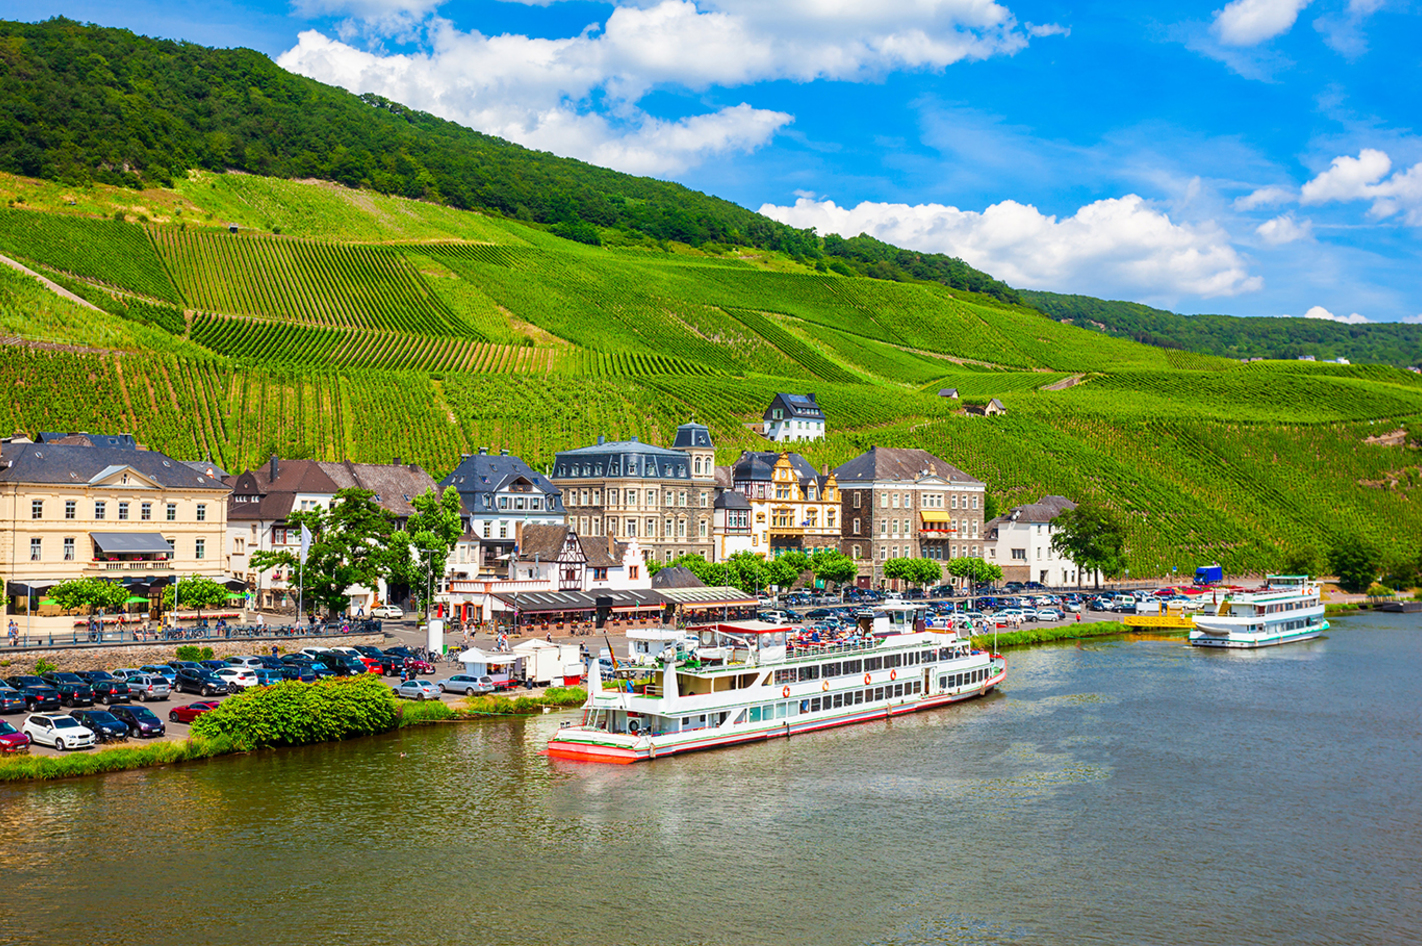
1123 791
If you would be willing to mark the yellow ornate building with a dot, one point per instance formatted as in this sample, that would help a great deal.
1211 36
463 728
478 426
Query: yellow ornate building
791 506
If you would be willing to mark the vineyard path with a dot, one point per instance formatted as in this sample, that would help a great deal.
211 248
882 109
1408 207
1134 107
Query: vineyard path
52 287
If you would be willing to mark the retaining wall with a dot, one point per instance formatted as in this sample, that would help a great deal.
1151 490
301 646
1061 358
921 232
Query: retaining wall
111 656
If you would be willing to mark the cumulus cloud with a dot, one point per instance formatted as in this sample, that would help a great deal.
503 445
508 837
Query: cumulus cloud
1121 245
578 95
1366 178
1250 22
1319 312
1264 197
1413 319
1283 230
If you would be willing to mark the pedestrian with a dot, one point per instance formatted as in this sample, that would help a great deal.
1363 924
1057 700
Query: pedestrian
14 633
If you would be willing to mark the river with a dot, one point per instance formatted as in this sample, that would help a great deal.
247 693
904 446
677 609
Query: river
1123 791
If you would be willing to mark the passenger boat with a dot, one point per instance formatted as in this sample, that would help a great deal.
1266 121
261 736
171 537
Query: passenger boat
726 684
1288 609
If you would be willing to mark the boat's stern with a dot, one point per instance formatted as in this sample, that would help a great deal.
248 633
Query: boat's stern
583 744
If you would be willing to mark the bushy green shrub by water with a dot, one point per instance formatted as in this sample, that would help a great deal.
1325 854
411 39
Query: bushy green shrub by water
294 713
1045 635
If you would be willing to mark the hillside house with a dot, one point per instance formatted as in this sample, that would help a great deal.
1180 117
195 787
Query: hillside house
794 417
500 494
1020 541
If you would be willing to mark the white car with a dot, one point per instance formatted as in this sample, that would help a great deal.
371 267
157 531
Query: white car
61 732
388 611
315 653
237 678
246 662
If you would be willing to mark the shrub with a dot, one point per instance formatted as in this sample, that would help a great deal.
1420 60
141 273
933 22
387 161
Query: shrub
112 760
45 666
1376 590
294 713
416 714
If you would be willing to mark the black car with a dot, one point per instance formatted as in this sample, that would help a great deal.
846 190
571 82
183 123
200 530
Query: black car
107 687
201 681
11 700
214 665
389 663
106 726
343 665
37 692
140 720
306 665
73 690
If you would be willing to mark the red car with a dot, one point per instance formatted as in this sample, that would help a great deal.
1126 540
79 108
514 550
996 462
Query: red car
186 714
11 739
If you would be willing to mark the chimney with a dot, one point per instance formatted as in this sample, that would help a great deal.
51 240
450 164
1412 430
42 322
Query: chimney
503 453
398 462
611 551
601 440
824 469
634 439
274 468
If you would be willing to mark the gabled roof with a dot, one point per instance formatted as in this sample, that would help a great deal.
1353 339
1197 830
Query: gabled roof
796 407
394 485
1043 510
543 543
677 576
71 464
730 499
947 392
757 466
889 464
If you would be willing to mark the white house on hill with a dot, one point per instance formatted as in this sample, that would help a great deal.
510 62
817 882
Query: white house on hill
794 417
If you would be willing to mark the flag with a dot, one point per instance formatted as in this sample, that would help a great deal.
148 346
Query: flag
305 543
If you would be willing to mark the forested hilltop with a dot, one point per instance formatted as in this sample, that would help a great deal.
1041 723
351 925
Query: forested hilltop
82 104
1387 343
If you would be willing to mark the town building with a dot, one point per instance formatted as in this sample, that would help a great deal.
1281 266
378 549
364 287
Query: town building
263 499
501 494
730 525
100 506
907 503
792 508
660 496
794 417
556 554
1020 540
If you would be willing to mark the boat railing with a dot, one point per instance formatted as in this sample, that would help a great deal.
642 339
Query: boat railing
796 652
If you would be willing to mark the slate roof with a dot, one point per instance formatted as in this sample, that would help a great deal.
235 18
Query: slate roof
485 473
208 468
1043 510
70 464
116 441
886 464
678 576
796 407
756 466
730 499
692 435
394 486
623 459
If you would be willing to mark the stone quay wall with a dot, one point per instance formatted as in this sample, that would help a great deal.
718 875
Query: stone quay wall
129 654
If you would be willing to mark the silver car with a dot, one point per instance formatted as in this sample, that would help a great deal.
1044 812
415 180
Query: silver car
465 683
148 686
417 690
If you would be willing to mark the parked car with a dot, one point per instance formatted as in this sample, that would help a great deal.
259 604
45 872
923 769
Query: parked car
201 681
149 686
315 668
387 611
297 672
1049 614
37 692
11 739
73 691
141 720
186 714
108 689
11 700
213 665
344 665
315 653
237 678
410 661
267 677
60 732
189 664
465 683
163 670
104 725
251 663
389 663
372 664
417 690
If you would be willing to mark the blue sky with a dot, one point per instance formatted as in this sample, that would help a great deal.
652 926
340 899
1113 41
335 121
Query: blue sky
1253 157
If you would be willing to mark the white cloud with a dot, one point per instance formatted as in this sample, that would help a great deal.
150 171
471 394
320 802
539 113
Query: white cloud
1319 312
578 95
1047 29
1250 22
1264 197
1284 229
1348 178
1413 319
1111 246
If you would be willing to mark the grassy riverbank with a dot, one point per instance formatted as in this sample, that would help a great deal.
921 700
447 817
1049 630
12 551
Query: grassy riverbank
248 726
1029 636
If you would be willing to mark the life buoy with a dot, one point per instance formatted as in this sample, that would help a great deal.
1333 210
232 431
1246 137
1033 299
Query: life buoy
824 687
633 725
893 674
866 679
785 692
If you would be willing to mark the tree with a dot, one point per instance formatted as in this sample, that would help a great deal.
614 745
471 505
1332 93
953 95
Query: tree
710 574
420 552
832 565
350 546
195 591
1356 563
1303 560
747 571
1092 537
914 571
92 594
975 570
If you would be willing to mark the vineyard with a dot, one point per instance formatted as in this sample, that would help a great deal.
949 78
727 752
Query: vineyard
106 251
326 284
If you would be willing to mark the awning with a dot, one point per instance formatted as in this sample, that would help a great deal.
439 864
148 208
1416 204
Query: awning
26 590
131 543
715 597
934 515
476 656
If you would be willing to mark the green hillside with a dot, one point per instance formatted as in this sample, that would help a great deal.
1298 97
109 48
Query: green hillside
1389 343
325 342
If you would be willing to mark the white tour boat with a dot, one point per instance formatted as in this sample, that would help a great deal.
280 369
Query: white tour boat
1287 609
725 684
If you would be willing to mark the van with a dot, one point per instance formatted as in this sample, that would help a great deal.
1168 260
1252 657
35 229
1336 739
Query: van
1124 604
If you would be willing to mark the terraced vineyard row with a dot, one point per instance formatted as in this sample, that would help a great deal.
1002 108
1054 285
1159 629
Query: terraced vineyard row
118 254
259 342
302 281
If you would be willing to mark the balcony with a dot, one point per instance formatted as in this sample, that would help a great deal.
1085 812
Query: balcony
140 565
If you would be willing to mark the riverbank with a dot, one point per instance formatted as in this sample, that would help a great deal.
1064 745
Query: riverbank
1029 636
196 747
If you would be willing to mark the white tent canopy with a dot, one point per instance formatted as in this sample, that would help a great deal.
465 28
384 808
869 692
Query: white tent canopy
476 656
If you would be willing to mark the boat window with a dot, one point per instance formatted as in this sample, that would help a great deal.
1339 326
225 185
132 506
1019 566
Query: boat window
814 704
754 714
781 710
767 712
942 683
785 676
878 694
873 663
804 707
741 716
858 696
851 667
898 689
945 653
811 672
928 656
917 687
838 700
910 659
830 670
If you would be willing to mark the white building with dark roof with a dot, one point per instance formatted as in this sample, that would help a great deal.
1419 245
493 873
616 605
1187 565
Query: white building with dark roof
501 494
1020 540
794 417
